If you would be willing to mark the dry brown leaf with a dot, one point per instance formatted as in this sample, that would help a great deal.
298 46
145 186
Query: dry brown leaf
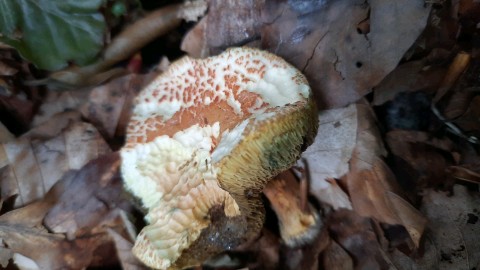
329 154
326 36
465 173
469 122
453 228
413 221
35 165
368 190
425 156
56 102
356 235
87 198
16 113
216 32
5 135
336 258
371 185
124 252
408 77
109 105
23 236
320 38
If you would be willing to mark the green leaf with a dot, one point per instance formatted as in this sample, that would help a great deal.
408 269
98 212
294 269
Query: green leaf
51 33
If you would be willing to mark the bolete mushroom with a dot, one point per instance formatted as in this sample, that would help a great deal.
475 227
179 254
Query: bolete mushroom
204 138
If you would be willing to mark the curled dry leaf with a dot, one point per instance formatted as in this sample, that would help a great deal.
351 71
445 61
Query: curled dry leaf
465 173
33 165
371 185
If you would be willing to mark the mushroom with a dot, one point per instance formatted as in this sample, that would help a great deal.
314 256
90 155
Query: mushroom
299 221
204 139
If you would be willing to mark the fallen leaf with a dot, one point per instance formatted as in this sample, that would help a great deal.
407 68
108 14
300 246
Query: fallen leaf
124 252
88 198
368 190
413 221
465 173
356 236
56 102
329 154
454 227
311 33
5 135
426 161
109 105
409 77
336 258
332 148
308 34
371 185
35 165
216 32
24 237
16 113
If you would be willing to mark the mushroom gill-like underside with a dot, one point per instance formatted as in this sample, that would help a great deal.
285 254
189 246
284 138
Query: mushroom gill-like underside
203 140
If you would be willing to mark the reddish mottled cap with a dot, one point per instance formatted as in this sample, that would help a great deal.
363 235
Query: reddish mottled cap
204 138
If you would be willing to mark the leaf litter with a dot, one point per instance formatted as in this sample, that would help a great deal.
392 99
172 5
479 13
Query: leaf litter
392 175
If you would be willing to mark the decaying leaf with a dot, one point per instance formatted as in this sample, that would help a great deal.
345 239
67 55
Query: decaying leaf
109 105
124 252
336 258
5 135
356 235
24 237
408 77
57 102
330 153
427 157
216 32
78 213
453 228
32 166
371 185
308 34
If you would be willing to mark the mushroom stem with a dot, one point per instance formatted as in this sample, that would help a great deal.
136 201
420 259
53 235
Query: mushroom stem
298 225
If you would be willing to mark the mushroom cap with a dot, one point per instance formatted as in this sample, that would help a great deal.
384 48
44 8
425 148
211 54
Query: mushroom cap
204 138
